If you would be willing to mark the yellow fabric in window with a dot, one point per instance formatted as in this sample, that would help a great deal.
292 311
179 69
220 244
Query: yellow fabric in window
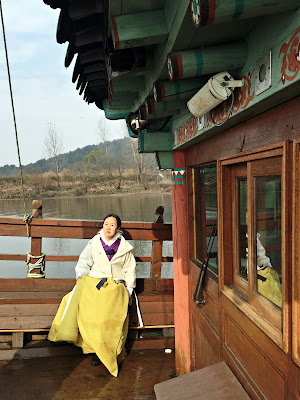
271 287
95 320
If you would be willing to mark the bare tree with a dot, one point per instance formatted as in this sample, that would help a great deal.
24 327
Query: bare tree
119 163
137 158
103 134
53 150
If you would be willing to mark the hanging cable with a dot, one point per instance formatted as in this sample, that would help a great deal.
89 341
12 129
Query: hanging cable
27 218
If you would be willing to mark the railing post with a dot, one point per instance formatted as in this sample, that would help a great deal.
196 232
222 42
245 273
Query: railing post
36 242
37 209
157 246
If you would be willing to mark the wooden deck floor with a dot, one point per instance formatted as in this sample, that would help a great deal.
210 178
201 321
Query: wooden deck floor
72 377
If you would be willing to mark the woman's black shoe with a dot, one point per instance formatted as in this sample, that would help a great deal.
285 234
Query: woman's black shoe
95 361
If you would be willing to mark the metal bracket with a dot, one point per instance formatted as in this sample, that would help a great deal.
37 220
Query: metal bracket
263 73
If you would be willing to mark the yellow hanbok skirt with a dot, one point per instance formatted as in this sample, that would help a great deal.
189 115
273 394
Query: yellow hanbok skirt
95 320
270 286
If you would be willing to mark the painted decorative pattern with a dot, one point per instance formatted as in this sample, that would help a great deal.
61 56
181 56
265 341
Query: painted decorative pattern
170 68
175 68
242 97
239 9
159 91
187 131
219 114
115 33
155 92
195 9
178 176
291 57
203 12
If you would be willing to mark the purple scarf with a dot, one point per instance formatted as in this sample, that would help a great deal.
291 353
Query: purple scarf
112 249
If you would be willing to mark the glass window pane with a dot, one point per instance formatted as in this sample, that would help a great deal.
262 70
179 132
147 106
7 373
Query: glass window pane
268 237
208 214
242 247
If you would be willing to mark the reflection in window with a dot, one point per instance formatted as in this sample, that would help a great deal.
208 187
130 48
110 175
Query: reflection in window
268 237
207 205
242 227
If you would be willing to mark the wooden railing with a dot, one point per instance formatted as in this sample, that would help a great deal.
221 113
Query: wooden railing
39 228
29 305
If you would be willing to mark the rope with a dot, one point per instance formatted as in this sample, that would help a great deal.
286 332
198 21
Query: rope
27 218
40 264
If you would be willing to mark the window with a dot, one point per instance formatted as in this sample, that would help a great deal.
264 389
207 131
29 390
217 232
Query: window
206 206
252 204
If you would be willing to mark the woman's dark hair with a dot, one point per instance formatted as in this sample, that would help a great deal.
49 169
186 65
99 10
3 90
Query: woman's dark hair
118 219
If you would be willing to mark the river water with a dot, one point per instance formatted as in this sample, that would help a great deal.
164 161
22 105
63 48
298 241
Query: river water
130 207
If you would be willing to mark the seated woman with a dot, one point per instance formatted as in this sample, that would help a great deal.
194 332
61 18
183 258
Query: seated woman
268 281
94 316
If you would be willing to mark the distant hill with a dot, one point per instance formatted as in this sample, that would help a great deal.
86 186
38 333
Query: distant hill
42 165
115 147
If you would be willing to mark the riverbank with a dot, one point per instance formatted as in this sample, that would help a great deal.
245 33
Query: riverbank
71 185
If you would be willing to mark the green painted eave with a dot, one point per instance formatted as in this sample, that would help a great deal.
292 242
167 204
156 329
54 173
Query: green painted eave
263 34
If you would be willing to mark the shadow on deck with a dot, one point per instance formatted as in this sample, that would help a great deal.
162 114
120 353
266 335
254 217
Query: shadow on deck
72 377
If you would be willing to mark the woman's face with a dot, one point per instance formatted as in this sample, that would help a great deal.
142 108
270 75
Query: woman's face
110 228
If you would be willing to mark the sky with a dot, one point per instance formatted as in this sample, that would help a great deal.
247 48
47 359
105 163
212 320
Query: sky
42 87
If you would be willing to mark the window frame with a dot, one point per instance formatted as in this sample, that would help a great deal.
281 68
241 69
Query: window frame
198 223
237 172
243 293
296 255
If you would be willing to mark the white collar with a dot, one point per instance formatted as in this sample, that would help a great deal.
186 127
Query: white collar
112 240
